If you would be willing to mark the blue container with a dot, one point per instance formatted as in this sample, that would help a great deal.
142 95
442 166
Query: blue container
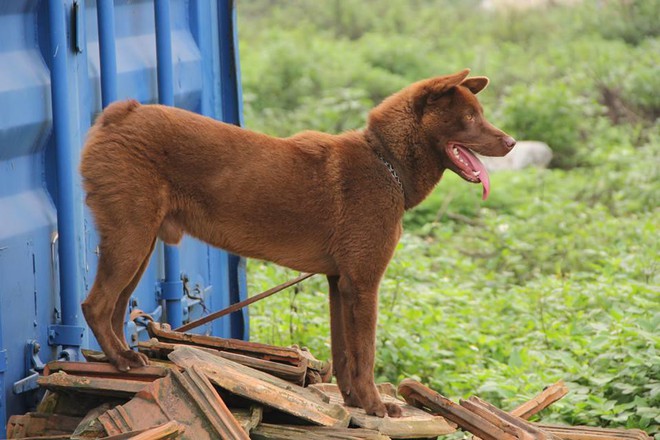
61 61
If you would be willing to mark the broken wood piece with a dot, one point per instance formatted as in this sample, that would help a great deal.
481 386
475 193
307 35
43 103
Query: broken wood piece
421 396
413 423
104 370
248 418
292 373
189 398
35 424
516 426
261 387
593 433
267 431
163 333
61 381
169 430
546 398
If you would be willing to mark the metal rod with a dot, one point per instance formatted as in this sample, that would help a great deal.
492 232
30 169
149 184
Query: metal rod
235 307
105 13
173 291
66 169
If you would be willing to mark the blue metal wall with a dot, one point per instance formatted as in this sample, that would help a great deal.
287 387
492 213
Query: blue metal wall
52 72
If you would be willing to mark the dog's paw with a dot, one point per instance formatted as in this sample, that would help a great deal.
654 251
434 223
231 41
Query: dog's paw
393 410
128 359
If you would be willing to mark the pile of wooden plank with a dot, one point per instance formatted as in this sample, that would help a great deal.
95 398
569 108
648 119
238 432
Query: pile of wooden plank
202 387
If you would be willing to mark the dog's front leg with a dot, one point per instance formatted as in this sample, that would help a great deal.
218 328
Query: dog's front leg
359 304
340 359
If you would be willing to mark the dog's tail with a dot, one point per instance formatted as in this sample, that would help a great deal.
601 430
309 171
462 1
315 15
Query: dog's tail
116 112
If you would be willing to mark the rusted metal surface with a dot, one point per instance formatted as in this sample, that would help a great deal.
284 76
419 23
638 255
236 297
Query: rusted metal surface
592 433
169 430
263 388
61 381
267 431
104 370
245 303
421 396
414 423
36 424
546 398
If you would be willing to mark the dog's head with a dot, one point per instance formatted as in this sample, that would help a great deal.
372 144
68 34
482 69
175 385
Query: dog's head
444 116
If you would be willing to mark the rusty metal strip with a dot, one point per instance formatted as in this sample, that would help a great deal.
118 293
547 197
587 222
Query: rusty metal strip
413 423
61 381
421 396
261 387
546 398
235 307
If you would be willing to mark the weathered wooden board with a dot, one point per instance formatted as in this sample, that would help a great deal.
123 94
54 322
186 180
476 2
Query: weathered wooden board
61 381
593 433
290 432
291 373
163 333
263 388
414 423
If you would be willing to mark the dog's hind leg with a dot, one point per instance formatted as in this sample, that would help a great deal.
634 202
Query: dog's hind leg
124 248
340 360
119 313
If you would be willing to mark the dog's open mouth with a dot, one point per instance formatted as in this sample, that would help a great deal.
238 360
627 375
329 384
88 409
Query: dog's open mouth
470 168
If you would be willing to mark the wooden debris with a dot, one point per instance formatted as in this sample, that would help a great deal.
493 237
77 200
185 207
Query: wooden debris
591 433
169 430
291 373
263 388
414 422
163 333
91 385
104 370
546 398
421 396
35 424
189 398
267 431
511 424
248 418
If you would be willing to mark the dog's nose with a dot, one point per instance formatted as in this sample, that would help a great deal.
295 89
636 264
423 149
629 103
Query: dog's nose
509 142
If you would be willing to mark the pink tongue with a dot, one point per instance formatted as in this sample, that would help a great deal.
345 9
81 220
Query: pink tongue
476 165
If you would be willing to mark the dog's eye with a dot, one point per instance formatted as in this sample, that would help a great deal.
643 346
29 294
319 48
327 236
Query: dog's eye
469 116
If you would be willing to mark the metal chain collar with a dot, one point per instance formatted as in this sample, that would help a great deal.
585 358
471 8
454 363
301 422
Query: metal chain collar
392 171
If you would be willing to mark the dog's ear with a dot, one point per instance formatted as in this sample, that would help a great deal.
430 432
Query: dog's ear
431 90
476 84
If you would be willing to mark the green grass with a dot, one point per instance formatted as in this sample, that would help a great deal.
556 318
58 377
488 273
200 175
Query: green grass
557 275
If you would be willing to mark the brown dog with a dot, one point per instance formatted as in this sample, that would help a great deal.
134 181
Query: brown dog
313 202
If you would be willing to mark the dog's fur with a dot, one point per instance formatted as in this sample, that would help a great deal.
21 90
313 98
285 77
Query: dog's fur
313 202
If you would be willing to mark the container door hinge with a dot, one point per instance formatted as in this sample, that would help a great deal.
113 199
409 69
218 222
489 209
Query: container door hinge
33 366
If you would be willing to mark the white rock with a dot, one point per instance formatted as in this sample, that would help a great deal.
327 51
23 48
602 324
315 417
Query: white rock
524 154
